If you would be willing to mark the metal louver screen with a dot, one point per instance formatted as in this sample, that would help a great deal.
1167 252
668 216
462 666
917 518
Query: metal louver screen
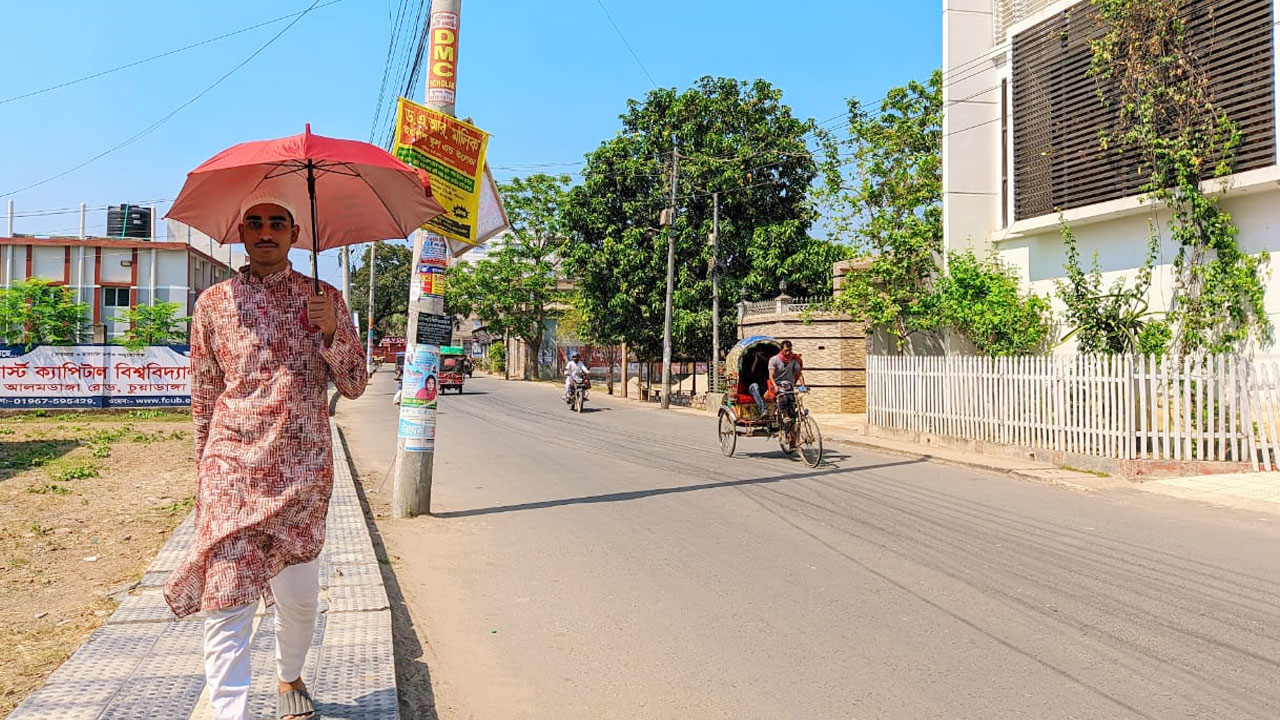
1057 116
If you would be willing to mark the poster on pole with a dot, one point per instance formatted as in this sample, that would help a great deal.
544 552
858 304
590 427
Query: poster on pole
442 52
418 399
452 154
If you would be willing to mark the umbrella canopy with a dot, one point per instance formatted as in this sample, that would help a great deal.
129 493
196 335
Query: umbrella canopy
356 192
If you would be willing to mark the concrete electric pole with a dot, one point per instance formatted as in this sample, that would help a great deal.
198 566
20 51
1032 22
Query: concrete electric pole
373 276
671 272
714 375
411 495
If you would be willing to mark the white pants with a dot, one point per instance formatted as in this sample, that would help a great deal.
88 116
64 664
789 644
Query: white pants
227 634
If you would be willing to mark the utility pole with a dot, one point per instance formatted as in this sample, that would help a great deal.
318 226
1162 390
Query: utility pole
344 257
411 494
373 276
715 294
671 272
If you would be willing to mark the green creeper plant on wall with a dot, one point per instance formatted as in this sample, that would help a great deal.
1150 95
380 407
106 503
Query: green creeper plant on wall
1167 116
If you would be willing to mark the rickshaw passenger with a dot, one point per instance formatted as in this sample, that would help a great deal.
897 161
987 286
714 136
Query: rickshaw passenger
756 376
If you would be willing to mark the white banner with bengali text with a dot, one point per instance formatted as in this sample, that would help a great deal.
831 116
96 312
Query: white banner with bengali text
94 376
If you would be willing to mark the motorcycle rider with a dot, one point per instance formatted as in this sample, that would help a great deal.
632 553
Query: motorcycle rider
573 372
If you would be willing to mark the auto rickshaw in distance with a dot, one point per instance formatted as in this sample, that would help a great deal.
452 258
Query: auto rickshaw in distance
785 416
452 368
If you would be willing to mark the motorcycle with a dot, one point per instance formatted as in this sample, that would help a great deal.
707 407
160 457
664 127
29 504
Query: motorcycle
578 392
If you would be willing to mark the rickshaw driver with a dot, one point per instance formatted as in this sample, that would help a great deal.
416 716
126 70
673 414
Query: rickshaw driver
785 367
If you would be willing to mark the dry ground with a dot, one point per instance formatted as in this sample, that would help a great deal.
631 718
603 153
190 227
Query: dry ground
86 500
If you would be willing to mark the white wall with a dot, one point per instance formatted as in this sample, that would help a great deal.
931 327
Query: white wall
1121 247
971 123
112 271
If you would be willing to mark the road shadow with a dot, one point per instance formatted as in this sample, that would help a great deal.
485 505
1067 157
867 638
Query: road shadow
470 392
21 455
413 677
656 492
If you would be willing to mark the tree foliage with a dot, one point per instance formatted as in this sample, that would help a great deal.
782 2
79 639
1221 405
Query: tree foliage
156 324
391 302
36 312
514 289
734 137
885 198
982 301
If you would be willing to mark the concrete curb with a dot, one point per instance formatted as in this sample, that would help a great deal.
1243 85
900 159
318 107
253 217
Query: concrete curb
145 663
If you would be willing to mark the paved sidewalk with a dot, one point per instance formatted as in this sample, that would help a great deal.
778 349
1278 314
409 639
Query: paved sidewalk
146 664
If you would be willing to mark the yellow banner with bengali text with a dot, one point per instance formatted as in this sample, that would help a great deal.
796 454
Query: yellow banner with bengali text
452 154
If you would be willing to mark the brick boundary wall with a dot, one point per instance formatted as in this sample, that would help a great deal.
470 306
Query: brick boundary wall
834 349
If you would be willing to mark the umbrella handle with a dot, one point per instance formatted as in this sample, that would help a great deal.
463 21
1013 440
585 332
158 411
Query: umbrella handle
315 230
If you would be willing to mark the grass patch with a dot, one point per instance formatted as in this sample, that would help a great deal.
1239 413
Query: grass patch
49 489
25 456
101 451
78 471
6 431
1095 473
39 530
182 507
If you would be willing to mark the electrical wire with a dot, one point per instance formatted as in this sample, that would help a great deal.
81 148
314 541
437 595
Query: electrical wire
628 44
151 128
144 61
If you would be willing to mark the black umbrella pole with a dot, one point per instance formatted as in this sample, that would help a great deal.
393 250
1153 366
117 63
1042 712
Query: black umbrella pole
315 231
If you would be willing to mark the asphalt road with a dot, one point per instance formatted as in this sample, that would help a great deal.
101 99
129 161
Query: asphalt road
614 564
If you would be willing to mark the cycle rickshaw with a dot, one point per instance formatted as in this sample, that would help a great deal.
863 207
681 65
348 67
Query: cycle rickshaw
785 416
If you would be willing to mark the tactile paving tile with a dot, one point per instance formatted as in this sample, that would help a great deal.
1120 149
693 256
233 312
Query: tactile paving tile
357 598
147 606
351 574
356 677
154 579
167 559
163 686
86 682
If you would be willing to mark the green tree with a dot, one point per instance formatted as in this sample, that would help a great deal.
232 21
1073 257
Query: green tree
982 301
391 301
882 192
733 137
36 312
515 289
156 324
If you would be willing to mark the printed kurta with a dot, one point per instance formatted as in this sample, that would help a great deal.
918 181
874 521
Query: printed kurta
264 458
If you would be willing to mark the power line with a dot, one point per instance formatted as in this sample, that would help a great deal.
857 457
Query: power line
624 42
143 61
151 128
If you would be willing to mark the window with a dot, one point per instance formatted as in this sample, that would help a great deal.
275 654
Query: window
1057 116
116 297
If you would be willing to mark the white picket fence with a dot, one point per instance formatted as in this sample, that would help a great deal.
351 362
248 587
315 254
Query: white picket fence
1222 408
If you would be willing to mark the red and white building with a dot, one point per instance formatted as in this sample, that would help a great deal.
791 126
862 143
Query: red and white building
112 274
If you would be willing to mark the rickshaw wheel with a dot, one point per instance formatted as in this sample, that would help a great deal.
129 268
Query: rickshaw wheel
728 432
810 442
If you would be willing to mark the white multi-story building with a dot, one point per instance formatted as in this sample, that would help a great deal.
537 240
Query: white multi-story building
1021 131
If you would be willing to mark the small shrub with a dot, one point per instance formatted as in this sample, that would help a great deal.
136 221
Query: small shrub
181 507
79 471
49 489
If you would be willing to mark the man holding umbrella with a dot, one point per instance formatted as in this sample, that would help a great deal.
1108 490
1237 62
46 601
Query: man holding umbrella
265 469
264 346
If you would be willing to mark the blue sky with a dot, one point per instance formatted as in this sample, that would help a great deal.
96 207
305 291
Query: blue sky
547 79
